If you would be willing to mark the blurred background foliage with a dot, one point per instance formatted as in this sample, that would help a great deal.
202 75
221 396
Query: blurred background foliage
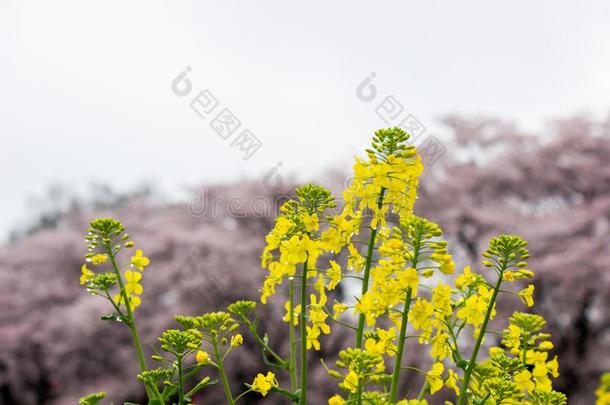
552 188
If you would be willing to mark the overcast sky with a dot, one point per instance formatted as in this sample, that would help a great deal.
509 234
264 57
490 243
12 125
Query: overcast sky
86 95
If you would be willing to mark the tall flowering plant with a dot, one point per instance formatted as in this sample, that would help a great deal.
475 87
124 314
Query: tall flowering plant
408 298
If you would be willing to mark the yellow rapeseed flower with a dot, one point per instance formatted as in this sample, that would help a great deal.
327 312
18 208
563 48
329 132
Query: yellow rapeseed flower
132 284
312 338
333 274
433 377
523 379
139 261
86 274
526 295
296 311
264 383
408 279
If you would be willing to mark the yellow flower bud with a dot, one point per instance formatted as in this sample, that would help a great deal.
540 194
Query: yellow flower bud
202 357
237 340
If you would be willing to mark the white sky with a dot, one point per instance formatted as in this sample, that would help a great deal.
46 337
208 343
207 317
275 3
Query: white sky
85 86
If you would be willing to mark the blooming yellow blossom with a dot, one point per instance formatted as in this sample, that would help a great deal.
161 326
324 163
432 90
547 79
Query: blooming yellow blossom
408 279
383 343
139 261
553 367
134 300
465 279
334 275
420 315
86 274
312 338
546 345
264 383
440 346
296 311
132 282
441 300
331 240
311 222
350 383
474 310
526 295
523 379
317 316
294 250
338 309
494 351
355 261
452 382
433 377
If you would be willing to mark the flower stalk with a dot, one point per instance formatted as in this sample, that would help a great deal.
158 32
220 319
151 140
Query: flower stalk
367 270
292 337
131 321
303 316
401 346
221 371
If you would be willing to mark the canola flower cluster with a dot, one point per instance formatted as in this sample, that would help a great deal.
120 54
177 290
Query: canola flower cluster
410 298
102 247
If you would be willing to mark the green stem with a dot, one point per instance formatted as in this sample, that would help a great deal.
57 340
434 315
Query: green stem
131 320
401 346
170 390
265 346
237 398
221 371
292 336
303 399
423 390
367 270
417 246
180 381
477 346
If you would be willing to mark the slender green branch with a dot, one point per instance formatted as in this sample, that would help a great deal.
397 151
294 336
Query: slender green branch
237 398
367 271
116 307
180 380
417 247
303 399
359 390
423 390
292 367
456 349
169 390
221 371
401 346
130 319
265 346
